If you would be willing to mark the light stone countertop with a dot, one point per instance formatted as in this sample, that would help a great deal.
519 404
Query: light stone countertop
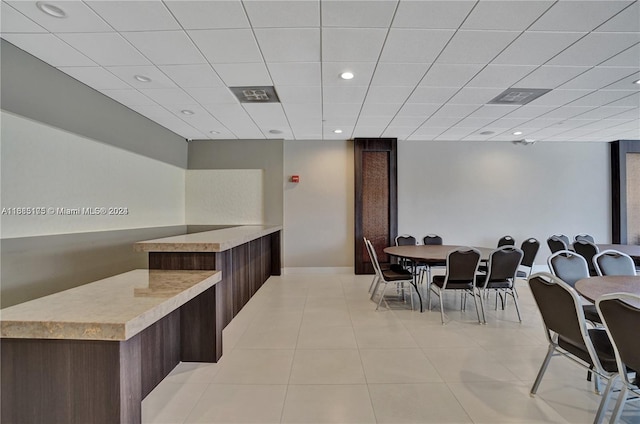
115 308
207 241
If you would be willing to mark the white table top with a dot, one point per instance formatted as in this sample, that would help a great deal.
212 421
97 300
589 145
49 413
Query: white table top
115 308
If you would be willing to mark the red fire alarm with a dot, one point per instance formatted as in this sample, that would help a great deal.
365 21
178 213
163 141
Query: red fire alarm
295 179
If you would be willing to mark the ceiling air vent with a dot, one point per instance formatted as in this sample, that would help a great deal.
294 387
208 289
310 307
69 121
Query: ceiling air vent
262 94
518 96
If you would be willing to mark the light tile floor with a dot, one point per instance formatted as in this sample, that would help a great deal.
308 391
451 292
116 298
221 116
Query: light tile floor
312 349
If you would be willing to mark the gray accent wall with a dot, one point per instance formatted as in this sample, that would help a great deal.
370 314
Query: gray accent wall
267 155
36 90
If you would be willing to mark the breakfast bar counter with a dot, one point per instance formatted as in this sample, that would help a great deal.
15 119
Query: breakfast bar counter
92 353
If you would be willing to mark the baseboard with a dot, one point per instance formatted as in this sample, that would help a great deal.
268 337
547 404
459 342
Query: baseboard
319 270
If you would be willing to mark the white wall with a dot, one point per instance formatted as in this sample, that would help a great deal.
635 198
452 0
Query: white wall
225 197
469 193
43 166
318 211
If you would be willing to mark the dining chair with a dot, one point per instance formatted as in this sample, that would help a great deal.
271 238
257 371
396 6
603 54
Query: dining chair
500 277
621 321
571 267
461 267
568 335
431 240
404 240
613 262
587 250
530 248
557 243
506 241
584 236
388 276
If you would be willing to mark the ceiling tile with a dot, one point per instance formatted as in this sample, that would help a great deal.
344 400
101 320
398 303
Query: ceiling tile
168 96
628 57
536 47
333 94
626 83
80 18
632 101
128 97
503 76
388 110
476 46
192 75
471 95
505 15
432 14
399 74
13 21
283 14
212 95
198 14
530 111
381 94
299 112
595 48
236 119
602 98
578 15
362 72
49 48
135 15
414 45
106 49
267 116
166 47
295 73
423 110
408 121
289 44
243 74
95 77
128 73
341 110
456 111
358 14
432 94
559 97
352 44
300 94
598 77
442 75
401 133
566 112
227 45
493 111
548 76
627 20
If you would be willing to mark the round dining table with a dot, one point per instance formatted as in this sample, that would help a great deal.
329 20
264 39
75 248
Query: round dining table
429 254
632 250
594 287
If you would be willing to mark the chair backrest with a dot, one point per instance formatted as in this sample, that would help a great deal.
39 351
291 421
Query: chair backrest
405 240
587 250
530 248
584 236
503 265
373 256
506 241
432 239
621 319
557 243
568 266
462 264
562 312
612 262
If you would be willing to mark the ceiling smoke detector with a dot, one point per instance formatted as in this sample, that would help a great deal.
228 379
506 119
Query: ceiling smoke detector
260 94
518 96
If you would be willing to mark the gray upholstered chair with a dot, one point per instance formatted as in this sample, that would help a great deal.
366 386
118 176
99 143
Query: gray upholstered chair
621 320
584 236
612 262
501 276
462 265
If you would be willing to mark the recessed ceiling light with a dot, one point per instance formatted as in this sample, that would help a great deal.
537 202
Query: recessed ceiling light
187 112
142 78
214 132
275 132
517 133
346 75
637 82
338 131
51 10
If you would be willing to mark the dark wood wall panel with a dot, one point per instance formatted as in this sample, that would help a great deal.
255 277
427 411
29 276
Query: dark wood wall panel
376 198
240 276
203 261
619 201
160 350
201 328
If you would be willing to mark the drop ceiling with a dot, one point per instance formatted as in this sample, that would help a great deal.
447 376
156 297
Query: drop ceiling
424 70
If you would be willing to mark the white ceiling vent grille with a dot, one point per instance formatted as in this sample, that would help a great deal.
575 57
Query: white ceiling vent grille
518 96
262 94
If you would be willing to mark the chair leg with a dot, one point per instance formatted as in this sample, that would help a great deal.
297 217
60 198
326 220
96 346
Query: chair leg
382 297
543 368
441 306
604 402
475 301
515 300
373 282
617 410
480 294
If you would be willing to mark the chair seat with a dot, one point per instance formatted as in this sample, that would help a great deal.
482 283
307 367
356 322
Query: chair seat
601 343
500 284
391 275
591 313
397 268
438 280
